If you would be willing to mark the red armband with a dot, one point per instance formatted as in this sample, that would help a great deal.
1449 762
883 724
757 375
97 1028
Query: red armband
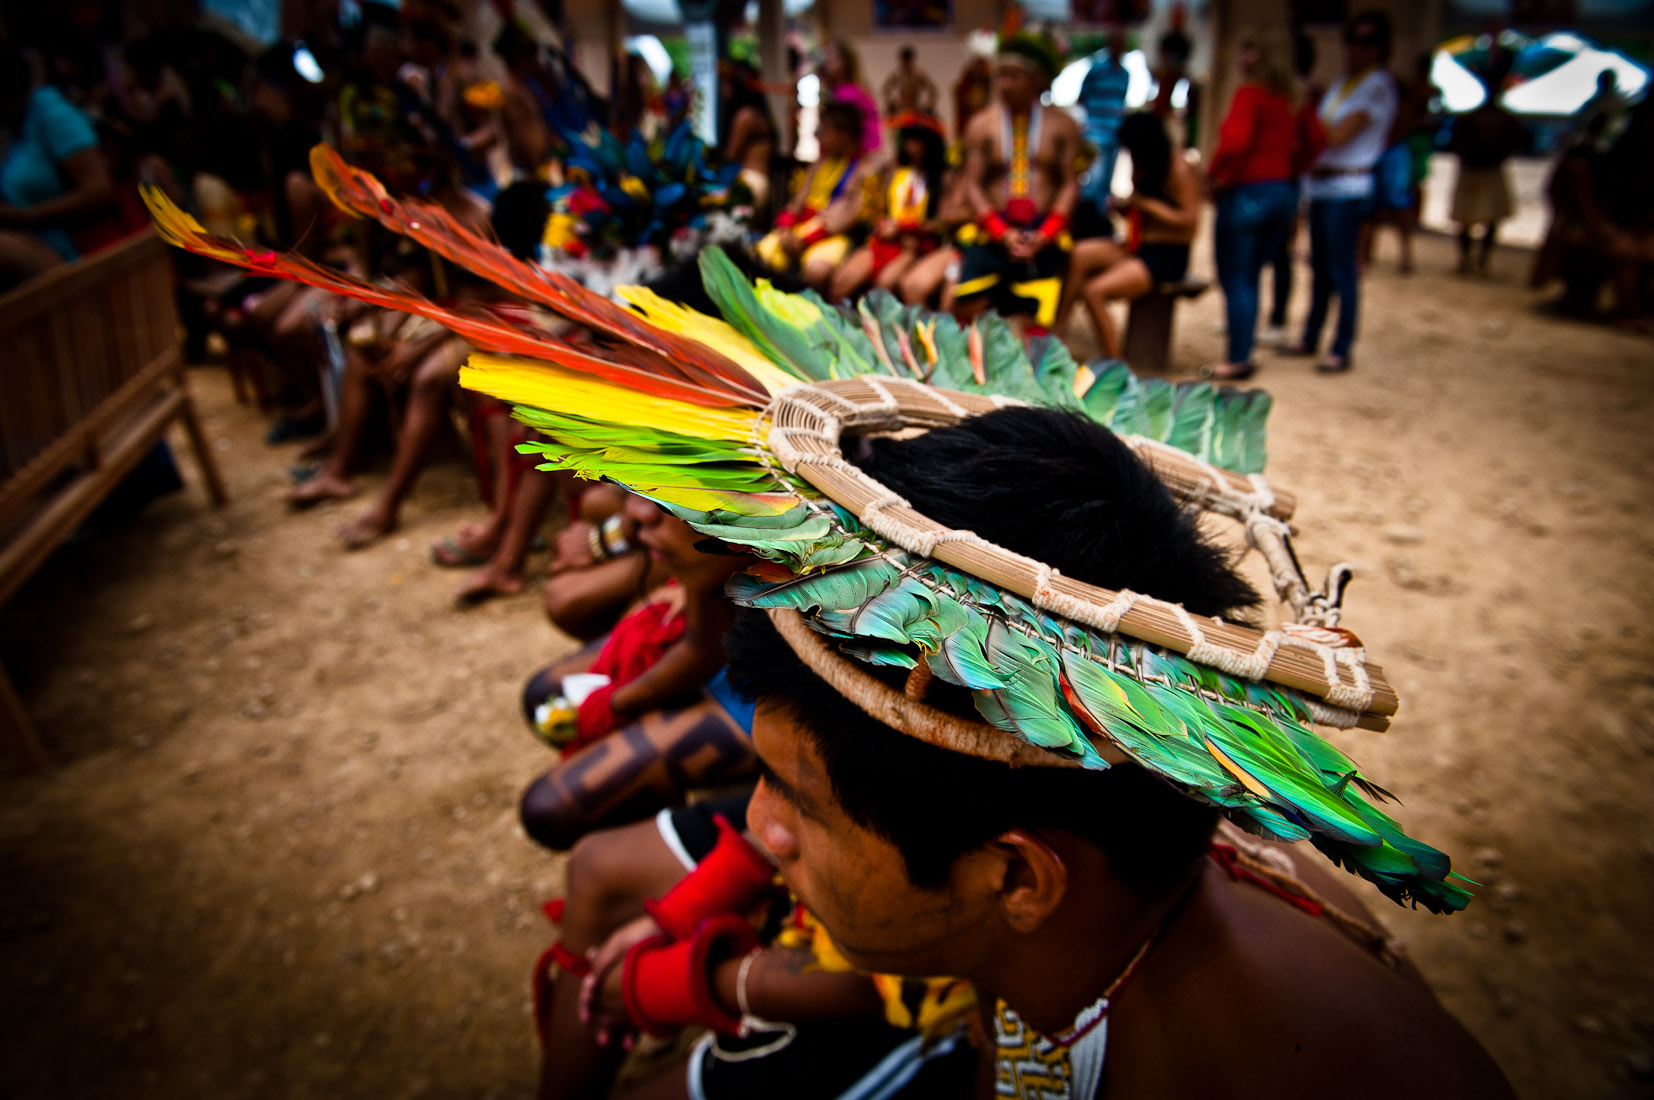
596 717
812 232
994 225
667 986
731 878
1054 225
786 219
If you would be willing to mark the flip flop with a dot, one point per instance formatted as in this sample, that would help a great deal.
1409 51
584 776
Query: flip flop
1334 364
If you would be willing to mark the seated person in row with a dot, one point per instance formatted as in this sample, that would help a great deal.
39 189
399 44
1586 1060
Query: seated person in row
630 714
1020 182
905 214
658 926
1162 213
811 234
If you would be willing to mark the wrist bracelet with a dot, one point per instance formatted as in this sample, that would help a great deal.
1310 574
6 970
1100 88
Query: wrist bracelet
741 984
594 540
613 538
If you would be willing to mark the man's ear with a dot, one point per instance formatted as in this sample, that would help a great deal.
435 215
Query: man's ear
1035 879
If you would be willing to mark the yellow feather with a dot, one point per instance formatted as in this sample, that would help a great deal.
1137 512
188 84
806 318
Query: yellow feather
558 389
714 332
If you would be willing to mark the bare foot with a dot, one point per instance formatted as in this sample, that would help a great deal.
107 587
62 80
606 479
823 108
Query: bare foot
486 583
365 529
324 486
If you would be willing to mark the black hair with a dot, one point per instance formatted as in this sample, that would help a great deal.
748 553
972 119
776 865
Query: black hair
519 218
1303 53
934 164
845 116
15 79
1371 26
905 53
1143 135
515 45
1064 490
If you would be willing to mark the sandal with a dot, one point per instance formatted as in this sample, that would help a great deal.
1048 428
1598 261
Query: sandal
1295 350
1334 364
1228 372
450 553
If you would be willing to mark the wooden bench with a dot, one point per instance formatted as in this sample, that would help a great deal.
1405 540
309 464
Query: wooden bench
1148 342
94 374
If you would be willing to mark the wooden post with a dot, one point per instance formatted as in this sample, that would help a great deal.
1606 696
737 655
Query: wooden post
16 731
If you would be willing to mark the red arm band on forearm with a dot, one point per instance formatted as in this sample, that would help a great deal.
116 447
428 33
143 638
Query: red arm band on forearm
994 225
667 986
1053 225
813 231
786 219
732 877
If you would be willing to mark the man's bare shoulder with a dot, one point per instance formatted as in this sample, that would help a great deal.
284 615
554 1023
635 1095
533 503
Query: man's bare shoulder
983 126
1257 993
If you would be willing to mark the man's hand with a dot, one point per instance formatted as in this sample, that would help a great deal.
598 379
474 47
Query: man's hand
573 549
602 1004
1022 244
790 243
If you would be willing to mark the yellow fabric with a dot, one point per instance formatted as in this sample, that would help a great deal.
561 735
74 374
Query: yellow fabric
830 250
548 386
1047 292
823 182
943 1003
907 199
714 332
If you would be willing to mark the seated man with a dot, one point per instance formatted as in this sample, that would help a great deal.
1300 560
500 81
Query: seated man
1125 952
1020 182
810 234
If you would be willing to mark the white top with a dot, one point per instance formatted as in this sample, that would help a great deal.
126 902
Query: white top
1376 97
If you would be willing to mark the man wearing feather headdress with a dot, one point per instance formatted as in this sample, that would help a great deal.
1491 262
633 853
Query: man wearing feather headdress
1021 185
1098 914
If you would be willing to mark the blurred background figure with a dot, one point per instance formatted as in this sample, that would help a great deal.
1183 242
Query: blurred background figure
1103 98
1251 178
1357 112
909 88
1405 164
1484 140
841 80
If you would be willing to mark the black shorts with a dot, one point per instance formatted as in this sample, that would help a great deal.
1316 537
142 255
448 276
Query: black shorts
863 1058
689 832
1167 263
1016 288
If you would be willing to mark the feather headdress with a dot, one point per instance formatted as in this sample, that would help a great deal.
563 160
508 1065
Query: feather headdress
733 424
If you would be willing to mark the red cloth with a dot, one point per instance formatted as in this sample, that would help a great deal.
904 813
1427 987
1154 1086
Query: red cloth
1310 137
637 643
1256 141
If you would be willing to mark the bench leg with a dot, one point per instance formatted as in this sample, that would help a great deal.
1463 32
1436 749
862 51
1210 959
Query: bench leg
204 457
1149 333
16 731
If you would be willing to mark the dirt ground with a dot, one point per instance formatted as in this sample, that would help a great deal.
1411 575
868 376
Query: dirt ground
278 854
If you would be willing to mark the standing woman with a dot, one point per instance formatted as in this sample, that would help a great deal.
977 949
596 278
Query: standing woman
1162 213
750 138
1356 112
1251 176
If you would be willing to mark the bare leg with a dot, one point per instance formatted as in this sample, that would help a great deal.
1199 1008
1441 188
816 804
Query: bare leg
926 276
427 402
503 574
584 603
1090 257
333 480
817 274
851 275
1489 235
1124 281
634 772
890 278
609 875
1464 249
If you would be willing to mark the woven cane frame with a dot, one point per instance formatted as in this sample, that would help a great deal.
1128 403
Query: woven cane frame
1313 657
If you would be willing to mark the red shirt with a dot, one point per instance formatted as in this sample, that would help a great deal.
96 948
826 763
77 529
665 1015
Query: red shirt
1257 139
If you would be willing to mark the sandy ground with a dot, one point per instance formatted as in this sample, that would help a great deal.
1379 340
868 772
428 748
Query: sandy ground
278 854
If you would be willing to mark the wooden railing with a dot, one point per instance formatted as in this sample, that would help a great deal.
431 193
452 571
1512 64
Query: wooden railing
91 375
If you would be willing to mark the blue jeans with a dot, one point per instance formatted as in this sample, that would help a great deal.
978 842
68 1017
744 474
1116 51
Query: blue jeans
1252 221
1334 236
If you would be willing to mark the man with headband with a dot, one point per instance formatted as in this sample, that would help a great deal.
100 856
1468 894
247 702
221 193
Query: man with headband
1021 186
